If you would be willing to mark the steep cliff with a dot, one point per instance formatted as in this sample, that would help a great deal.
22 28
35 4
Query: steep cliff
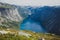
9 16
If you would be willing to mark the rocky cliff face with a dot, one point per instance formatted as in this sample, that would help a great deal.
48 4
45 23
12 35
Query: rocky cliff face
9 16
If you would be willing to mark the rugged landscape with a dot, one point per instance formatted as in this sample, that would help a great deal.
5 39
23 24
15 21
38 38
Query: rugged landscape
11 17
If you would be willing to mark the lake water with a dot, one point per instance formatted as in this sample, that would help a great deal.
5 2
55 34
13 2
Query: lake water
29 24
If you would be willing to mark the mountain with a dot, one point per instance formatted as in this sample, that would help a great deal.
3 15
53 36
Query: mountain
48 17
9 16
23 11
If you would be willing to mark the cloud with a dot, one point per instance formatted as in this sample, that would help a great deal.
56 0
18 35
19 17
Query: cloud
32 2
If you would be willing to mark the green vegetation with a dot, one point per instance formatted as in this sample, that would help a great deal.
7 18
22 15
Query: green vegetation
13 35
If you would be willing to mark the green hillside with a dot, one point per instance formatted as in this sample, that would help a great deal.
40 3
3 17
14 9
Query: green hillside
10 34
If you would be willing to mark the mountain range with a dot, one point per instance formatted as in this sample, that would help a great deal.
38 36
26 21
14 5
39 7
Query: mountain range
11 16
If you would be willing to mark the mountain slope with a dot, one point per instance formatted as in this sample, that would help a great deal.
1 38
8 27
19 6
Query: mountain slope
10 34
9 16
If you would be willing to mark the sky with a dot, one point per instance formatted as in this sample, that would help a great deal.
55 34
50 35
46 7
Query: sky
32 2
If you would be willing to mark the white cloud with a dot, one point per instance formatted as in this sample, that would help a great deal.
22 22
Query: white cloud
32 2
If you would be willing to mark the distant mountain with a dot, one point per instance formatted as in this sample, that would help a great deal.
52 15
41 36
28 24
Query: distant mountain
23 11
48 17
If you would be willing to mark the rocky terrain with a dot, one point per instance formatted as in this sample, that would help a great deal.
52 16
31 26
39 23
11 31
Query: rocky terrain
11 34
9 16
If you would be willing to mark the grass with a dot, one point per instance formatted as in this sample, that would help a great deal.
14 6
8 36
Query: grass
34 36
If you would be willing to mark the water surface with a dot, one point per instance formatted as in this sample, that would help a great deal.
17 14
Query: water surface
29 24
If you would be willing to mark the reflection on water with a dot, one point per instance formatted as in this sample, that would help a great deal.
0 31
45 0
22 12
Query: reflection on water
29 24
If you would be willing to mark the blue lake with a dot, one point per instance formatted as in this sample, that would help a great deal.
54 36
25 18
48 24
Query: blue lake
29 24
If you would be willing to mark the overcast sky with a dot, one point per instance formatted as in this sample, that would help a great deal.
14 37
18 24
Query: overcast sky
32 2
